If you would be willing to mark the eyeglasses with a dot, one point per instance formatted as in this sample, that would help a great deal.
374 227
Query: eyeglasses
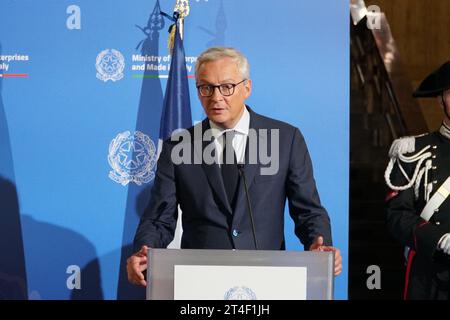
226 89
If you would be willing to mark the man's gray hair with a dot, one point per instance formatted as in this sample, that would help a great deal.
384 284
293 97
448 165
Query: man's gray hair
217 53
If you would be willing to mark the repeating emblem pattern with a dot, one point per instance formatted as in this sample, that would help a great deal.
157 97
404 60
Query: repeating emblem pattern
132 158
110 64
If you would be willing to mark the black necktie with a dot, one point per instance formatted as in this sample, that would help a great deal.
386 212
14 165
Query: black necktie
230 173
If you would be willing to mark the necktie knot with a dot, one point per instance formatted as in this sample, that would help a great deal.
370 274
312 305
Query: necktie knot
228 153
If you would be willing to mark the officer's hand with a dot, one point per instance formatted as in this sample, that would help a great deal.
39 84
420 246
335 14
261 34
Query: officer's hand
444 243
136 265
317 245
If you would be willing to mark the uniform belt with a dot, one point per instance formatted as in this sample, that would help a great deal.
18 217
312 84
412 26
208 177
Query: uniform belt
436 200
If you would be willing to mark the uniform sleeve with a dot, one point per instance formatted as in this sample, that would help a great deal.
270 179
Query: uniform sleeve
310 218
157 225
403 217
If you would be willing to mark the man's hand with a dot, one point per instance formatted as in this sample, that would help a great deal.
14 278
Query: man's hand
317 245
444 243
136 265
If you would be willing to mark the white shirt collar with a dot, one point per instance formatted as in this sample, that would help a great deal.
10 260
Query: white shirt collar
445 130
242 126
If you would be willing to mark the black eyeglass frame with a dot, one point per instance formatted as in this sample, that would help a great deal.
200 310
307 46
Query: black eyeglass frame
220 86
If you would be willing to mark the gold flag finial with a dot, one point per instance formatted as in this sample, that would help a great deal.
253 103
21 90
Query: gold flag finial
182 8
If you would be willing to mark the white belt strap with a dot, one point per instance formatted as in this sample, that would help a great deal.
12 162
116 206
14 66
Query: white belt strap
436 200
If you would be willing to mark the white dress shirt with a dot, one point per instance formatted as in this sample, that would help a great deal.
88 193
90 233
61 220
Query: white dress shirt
240 138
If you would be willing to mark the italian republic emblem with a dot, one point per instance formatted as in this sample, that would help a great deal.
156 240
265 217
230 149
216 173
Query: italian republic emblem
132 158
110 64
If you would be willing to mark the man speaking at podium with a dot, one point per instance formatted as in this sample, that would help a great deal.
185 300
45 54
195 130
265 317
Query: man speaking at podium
237 200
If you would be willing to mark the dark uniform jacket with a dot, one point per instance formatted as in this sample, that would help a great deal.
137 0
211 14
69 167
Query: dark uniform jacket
427 267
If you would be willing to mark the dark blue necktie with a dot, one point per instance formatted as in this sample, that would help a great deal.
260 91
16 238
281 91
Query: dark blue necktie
230 172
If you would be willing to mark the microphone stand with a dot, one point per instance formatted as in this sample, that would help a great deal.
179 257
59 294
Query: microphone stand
241 172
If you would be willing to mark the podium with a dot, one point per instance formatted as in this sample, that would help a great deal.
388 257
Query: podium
198 274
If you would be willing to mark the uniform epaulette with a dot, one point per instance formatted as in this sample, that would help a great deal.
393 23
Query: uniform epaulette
409 150
404 145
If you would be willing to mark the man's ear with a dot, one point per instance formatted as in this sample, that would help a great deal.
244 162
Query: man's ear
248 88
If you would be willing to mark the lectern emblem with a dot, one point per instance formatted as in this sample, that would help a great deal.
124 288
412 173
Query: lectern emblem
240 293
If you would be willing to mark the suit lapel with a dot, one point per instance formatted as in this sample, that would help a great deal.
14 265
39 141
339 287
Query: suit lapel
250 170
212 172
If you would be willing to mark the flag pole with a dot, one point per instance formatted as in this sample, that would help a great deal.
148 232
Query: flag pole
181 27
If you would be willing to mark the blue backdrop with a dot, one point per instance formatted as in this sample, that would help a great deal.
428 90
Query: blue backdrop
72 86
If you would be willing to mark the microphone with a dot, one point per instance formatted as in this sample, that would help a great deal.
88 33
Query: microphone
242 174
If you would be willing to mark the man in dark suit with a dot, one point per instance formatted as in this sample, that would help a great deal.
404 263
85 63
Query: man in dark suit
202 171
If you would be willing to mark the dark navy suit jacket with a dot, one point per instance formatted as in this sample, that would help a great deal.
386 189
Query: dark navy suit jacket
208 219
